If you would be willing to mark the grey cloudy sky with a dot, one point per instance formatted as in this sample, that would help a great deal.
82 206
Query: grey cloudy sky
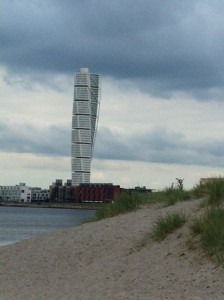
162 102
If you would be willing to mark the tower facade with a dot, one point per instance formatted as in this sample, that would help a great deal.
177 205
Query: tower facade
84 124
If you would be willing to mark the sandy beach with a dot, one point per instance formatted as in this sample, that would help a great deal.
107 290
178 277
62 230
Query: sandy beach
106 260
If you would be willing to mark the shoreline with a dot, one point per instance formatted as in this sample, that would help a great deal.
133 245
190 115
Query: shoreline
69 205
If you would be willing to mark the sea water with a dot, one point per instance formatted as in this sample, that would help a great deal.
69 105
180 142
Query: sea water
19 223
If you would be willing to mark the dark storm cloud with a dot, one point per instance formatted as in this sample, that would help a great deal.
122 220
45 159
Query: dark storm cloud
165 45
26 138
157 145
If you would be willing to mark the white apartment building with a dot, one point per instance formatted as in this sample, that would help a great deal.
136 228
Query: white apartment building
23 193
17 193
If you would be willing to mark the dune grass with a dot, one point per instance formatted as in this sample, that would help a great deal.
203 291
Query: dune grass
166 225
212 236
129 201
216 191
196 226
207 230
210 227
170 196
213 190
124 202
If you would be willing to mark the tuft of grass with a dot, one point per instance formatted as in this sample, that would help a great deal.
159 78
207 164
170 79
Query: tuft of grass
166 225
212 235
196 226
216 191
213 189
210 230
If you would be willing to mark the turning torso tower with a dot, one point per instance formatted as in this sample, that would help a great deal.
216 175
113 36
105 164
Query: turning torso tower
84 124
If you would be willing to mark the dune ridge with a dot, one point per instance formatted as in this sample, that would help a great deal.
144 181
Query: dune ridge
112 259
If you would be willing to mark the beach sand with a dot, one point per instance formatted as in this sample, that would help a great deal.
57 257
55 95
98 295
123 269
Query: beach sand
110 259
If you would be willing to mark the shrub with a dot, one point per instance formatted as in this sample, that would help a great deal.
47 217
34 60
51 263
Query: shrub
165 225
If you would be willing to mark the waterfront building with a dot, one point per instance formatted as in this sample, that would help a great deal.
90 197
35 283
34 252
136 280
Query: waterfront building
22 193
15 193
10 193
25 195
61 193
96 192
83 193
84 124
39 195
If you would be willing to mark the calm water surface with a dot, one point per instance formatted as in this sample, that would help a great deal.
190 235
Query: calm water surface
19 223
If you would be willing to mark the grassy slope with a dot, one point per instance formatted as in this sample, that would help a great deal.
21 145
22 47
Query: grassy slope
207 231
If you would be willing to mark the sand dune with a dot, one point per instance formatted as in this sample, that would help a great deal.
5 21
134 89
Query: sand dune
103 260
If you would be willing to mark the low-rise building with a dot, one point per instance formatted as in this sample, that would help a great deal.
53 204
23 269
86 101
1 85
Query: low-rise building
22 193
140 189
85 192
39 195
61 193
15 193
10 193
25 193
96 192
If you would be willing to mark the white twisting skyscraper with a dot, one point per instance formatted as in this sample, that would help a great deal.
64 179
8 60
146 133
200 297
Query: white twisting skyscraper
84 124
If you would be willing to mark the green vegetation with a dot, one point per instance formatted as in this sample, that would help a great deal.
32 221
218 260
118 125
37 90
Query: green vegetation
165 225
211 230
212 236
170 196
173 194
207 230
213 190
129 201
124 202
196 226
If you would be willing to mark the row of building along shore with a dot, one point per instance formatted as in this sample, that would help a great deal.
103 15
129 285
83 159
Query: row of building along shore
61 193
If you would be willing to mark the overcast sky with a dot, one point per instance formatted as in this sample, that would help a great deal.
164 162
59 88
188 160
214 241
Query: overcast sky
162 107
